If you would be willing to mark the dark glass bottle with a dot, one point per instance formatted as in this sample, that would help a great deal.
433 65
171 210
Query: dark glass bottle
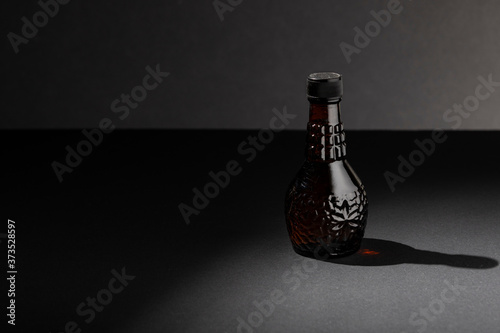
326 206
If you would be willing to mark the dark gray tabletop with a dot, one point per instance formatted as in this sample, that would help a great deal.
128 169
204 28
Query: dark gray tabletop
112 231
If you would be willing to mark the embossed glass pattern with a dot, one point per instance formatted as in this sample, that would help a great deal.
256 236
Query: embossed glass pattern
326 207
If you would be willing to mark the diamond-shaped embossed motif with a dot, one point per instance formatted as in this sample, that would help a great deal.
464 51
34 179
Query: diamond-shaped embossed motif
331 219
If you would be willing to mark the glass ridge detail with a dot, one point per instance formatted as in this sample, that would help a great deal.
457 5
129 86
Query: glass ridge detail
325 142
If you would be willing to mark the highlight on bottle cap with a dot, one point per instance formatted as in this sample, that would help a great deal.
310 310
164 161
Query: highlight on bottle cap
325 87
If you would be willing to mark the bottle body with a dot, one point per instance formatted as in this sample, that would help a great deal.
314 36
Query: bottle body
326 206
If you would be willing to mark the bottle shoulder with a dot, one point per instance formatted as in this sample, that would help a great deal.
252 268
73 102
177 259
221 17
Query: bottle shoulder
337 178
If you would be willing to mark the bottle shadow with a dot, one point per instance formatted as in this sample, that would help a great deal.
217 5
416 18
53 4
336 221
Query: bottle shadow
378 252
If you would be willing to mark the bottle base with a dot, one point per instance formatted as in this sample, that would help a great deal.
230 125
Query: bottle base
317 251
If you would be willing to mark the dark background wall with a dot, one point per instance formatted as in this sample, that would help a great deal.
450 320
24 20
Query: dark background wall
232 73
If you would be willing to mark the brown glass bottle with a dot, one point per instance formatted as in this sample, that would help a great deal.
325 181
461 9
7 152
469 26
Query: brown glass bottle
326 207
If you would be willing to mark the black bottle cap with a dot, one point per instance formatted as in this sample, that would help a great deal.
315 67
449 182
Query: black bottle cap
324 87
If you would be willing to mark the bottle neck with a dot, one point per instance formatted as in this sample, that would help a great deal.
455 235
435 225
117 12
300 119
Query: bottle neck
325 134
